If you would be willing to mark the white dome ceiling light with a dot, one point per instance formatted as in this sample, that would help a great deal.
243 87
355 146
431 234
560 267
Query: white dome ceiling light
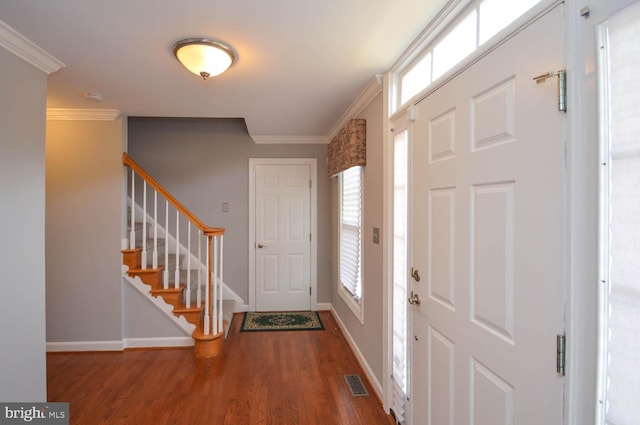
204 57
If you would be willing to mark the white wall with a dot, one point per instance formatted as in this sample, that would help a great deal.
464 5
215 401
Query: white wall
83 233
23 91
367 337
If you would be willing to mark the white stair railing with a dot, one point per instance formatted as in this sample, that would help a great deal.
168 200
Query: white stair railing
199 290
213 320
165 273
154 261
144 225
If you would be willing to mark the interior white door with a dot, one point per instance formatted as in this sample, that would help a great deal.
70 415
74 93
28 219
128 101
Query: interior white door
282 235
487 239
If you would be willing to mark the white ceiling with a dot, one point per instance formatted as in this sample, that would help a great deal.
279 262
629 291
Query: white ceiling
300 63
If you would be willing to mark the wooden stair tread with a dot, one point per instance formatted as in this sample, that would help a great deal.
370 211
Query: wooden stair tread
148 270
169 290
183 309
130 250
199 335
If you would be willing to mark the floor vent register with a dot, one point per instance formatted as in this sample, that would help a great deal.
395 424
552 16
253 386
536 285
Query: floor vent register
356 386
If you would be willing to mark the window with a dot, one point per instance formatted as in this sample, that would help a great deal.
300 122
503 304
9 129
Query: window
414 80
495 15
459 43
400 343
620 222
484 19
351 239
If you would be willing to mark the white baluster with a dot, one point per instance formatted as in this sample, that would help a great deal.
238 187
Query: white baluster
155 229
144 225
165 274
220 316
189 265
199 290
177 274
214 287
206 296
132 232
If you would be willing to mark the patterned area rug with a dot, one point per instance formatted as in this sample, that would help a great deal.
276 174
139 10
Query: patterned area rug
281 321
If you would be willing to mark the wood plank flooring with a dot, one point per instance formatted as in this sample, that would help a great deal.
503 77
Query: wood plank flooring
279 378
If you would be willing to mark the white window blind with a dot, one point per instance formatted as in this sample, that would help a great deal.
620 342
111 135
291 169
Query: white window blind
400 212
622 315
350 231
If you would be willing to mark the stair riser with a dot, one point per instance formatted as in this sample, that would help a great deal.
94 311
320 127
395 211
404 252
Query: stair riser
195 318
207 346
175 299
207 349
131 258
150 277
172 258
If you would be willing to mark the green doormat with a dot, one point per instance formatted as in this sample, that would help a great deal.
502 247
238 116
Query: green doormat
281 321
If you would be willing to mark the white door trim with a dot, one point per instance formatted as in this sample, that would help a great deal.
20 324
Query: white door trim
581 247
312 163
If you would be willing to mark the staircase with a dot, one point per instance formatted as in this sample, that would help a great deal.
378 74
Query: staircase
162 266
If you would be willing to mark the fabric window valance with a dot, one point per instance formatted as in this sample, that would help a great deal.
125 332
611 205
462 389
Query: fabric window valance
348 149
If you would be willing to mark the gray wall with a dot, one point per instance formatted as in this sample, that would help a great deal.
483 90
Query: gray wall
368 337
23 90
142 319
83 219
204 163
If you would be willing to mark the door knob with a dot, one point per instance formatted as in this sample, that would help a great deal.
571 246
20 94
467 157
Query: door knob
414 299
415 274
261 246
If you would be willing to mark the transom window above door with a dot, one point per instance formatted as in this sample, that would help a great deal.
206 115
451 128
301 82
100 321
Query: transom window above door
472 29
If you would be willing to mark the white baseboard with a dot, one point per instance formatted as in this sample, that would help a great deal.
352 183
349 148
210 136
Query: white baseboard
53 347
324 307
240 308
359 356
175 341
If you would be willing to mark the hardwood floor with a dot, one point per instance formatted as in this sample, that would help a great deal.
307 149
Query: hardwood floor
292 378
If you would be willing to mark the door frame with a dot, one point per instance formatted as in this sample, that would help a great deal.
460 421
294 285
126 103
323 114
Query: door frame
313 175
582 221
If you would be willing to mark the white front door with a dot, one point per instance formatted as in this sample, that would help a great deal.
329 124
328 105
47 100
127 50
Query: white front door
282 237
488 240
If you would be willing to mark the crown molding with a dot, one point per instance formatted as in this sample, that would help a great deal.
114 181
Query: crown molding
24 48
362 101
62 114
290 140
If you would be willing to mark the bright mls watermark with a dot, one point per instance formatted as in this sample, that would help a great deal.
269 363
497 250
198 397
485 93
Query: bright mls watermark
34 413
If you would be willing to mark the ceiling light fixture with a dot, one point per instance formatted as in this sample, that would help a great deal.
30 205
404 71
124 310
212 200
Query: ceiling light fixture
203 57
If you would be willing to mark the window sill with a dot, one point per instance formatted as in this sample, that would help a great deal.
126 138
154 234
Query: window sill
355 306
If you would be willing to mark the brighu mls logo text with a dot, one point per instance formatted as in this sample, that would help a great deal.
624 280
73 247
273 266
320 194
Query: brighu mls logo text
37 413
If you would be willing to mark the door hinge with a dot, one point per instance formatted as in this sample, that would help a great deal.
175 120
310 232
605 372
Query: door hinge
310 184
309 237
562 86
561 344
309 290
